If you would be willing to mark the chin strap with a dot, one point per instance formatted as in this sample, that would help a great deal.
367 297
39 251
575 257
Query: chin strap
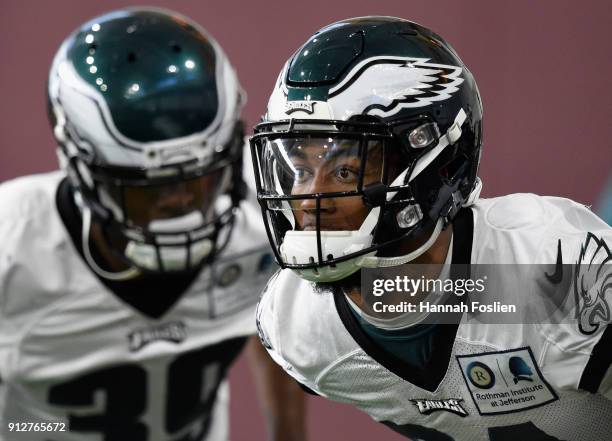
450 137
127 274
384 262
474 194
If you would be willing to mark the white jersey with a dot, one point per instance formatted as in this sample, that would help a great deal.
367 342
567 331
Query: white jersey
75 355
483 382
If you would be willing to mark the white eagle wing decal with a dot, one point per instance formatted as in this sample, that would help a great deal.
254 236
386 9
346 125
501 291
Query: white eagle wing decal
593 284
382 86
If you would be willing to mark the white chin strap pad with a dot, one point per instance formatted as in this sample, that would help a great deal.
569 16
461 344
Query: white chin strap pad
186 222
171 241
300 247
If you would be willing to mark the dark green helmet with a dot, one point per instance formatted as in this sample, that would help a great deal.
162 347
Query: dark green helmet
390 105
143 101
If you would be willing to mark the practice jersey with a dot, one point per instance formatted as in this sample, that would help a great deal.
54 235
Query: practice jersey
482 381
77 358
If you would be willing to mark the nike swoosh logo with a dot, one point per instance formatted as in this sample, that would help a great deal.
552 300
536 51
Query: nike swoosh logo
556 278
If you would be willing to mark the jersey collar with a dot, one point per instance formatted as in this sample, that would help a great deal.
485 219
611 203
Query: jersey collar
432 373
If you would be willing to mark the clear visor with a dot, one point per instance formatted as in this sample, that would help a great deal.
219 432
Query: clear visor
309 166
303 176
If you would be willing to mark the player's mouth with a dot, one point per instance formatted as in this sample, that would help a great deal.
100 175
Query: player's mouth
325 226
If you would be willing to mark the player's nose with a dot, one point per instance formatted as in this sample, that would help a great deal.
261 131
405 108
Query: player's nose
310 205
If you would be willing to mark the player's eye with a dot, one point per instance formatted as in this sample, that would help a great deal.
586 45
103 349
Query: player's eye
302 174
346 175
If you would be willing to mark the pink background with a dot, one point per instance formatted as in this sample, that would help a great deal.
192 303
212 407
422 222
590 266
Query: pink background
543 69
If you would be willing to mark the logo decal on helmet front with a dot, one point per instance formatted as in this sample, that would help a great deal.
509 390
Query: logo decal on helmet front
382 86
295 106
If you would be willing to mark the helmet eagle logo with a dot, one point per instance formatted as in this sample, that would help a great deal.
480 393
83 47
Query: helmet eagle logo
385 85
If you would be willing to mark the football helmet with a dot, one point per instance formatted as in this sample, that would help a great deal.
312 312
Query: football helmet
372 137
145 106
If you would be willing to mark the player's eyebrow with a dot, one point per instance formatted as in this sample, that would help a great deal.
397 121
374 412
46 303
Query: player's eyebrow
295 152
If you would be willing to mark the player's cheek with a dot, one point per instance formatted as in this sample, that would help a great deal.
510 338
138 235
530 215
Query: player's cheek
352 209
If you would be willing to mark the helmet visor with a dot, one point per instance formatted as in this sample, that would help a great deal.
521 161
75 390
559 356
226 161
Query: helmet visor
307 175
144 205
303 166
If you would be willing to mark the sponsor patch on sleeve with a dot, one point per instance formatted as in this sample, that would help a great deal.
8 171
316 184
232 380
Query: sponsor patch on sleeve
238 281
505 381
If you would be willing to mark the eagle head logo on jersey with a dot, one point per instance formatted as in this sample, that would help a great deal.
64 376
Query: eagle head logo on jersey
592 283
